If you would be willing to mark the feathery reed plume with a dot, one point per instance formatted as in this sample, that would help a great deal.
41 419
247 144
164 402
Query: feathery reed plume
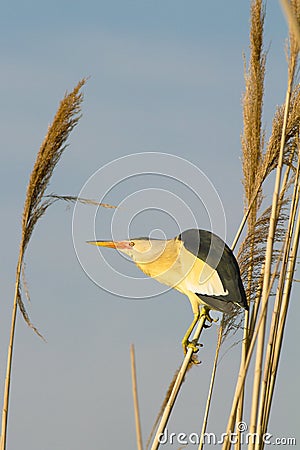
252 150
252 145
252 142
253 137
74 199
66 118
50 152
232 322
292 19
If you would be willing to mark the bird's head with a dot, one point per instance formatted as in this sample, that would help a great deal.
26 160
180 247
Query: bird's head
142 250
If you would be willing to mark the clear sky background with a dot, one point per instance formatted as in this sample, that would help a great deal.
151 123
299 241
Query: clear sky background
165 76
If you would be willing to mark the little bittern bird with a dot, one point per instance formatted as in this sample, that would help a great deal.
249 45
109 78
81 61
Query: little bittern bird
196 263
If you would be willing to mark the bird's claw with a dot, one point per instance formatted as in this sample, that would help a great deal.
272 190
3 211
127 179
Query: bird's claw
194 345
205 313
194 359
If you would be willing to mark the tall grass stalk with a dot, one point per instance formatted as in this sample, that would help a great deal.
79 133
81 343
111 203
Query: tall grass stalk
282 321
66 118
162 408
258 392
252 142
244 368
188 360
279 311
269 250
138 427
210 390
285 124
252 150
221 330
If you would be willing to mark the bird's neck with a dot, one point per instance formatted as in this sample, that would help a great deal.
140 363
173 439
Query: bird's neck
164 261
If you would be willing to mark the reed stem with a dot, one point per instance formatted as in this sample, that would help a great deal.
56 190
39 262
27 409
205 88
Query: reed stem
138 427
177 385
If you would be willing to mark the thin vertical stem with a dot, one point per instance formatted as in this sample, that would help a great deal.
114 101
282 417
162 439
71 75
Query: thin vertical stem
257 376
244 369
240 407
50 152
279 308
282 319
246 215
267 269
138 428
177 386
278 304
6 394
212 381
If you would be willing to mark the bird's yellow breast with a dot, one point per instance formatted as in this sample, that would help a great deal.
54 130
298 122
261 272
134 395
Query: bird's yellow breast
173 265
176 267
165 262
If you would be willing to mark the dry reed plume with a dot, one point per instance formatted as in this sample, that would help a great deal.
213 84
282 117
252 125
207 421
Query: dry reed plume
36 204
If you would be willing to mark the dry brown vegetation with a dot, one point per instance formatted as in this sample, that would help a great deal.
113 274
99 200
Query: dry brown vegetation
267 255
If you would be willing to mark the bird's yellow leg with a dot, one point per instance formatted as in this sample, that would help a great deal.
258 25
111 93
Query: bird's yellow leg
205 311
185 341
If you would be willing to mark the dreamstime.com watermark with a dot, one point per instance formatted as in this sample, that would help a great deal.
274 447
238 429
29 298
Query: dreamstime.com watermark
214 439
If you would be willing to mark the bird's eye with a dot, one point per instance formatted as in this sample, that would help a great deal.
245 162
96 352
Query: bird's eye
131 244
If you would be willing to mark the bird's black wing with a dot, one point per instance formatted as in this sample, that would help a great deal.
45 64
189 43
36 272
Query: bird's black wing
212 249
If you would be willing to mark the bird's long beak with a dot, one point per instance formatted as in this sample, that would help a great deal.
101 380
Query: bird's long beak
111 244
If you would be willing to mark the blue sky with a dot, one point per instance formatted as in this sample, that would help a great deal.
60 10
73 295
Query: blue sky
164 77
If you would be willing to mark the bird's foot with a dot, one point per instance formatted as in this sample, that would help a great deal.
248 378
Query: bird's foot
194 345
194 359
205 312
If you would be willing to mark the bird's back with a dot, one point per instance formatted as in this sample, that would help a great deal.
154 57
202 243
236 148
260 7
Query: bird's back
211 249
